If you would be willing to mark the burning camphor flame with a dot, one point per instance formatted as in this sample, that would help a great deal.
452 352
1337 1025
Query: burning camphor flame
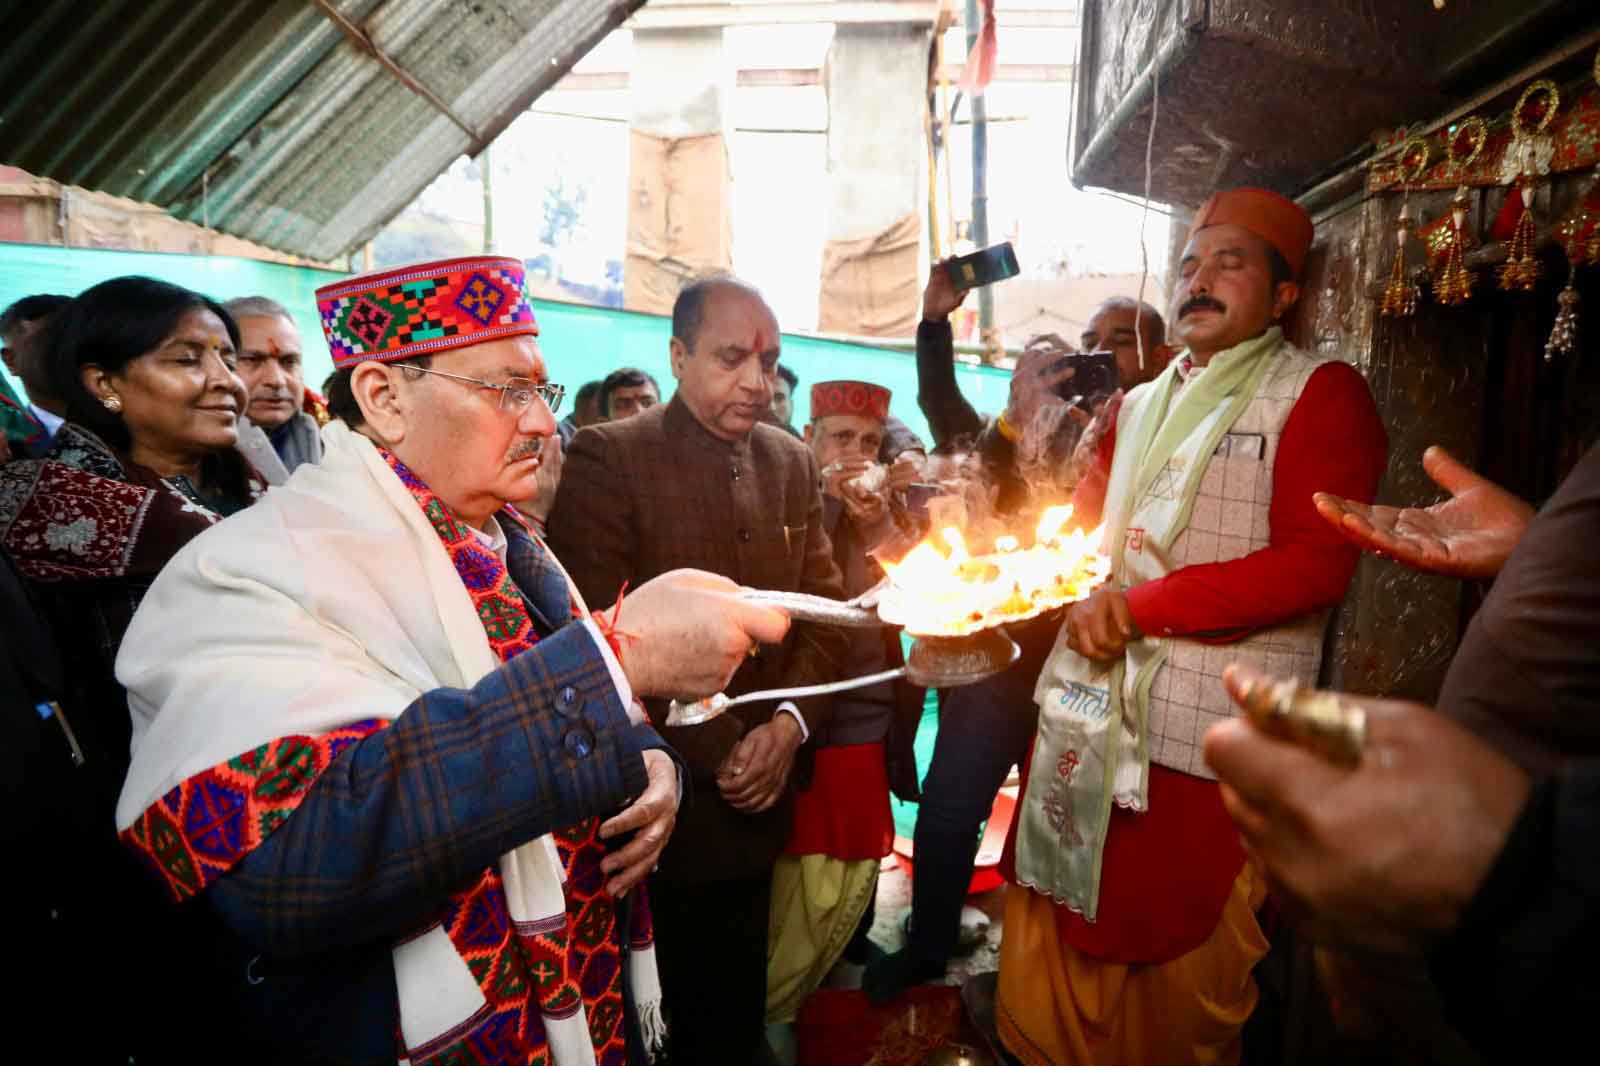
952 592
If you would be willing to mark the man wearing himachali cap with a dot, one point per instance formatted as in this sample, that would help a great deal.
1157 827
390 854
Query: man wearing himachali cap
378 732
1131 933
824 883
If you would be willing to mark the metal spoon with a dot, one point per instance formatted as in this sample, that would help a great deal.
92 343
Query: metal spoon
934 662
803 607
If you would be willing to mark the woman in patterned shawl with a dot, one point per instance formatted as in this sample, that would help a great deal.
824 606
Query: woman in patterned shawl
144 462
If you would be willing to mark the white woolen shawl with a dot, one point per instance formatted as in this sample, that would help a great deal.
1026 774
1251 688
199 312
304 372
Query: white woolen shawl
330 601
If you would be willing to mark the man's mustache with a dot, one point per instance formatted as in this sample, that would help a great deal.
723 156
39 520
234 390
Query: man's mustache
528 449
1202 303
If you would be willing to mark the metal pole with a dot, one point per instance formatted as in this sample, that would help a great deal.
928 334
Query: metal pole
484 170
980 176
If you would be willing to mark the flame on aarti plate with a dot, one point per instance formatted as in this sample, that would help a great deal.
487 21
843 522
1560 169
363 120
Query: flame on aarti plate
940 589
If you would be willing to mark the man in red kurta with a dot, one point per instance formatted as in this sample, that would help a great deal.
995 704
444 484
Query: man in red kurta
1131 934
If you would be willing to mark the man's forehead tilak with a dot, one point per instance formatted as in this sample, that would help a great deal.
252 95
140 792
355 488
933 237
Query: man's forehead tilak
762 342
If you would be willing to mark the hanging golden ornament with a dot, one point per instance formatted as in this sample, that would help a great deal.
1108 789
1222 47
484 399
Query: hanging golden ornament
1578 233
1532 148
1522 270
1466 143
1401 294
1564 335
1453 286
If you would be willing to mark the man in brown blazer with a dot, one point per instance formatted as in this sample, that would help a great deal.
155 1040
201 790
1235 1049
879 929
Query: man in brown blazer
703 482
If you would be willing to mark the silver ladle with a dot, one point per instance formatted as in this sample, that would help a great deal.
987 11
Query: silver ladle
934 662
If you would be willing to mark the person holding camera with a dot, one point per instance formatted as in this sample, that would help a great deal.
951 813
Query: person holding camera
1030 444
985 729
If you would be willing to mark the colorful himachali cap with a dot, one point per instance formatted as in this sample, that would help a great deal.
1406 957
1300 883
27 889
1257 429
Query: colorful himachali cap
1274 218
849 398
424 308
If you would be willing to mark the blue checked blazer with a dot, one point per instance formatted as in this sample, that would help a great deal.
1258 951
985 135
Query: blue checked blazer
409 816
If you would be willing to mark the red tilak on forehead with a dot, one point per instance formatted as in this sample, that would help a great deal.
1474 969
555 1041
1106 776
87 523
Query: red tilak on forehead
273 349
758 345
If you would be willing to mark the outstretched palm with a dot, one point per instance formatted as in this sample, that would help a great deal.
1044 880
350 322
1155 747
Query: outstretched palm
1469 535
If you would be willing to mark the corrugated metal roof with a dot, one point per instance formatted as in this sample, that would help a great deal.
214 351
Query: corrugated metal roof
267 120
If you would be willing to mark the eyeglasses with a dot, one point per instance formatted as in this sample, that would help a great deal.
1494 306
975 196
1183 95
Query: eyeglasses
515 395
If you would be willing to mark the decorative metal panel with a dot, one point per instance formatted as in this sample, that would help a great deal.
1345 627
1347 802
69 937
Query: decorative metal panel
1277 92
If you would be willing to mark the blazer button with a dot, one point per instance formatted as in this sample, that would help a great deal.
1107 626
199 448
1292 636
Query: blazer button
744 536
737 473
569 702
579 742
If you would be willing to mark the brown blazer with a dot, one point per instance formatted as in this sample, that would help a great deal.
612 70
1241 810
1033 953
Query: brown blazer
656 493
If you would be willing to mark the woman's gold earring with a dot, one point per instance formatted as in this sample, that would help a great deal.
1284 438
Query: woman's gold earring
113 403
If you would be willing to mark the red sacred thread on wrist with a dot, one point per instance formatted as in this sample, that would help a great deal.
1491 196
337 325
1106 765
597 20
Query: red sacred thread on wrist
608 626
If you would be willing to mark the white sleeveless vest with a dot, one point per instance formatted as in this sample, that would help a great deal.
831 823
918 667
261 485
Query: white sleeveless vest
1229 521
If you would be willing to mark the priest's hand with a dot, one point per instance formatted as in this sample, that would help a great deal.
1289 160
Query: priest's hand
1469 535
1381 857
1102 626
653 814
683 634
757 769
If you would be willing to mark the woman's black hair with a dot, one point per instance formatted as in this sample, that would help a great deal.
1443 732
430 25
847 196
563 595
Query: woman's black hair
111 324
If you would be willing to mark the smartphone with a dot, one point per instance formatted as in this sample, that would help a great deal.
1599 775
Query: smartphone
984 268
1094 377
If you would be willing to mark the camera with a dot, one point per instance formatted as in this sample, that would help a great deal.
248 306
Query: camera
1094 377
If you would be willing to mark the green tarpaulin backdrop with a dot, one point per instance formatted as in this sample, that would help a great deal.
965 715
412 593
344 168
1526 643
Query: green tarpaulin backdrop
579 343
